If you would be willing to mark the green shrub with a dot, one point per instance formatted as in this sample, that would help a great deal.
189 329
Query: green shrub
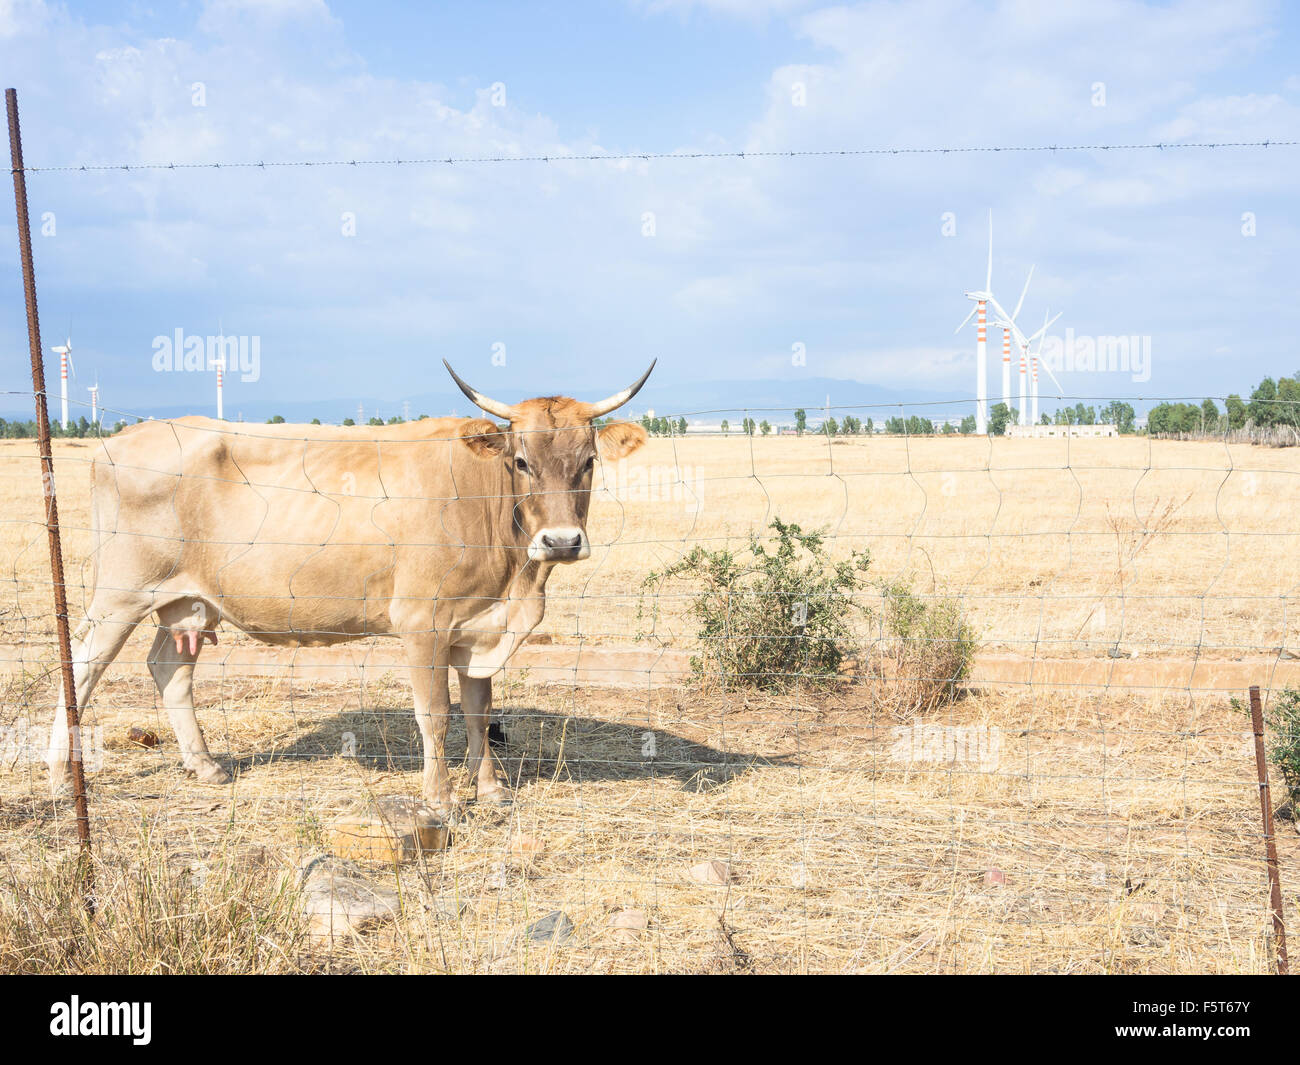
771 616
1282 738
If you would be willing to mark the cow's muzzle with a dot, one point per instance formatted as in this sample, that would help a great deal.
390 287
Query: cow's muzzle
559 545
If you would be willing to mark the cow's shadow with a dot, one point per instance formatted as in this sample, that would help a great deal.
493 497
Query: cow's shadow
538 745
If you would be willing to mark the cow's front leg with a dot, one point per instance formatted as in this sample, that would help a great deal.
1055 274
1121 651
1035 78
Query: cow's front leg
427 657
476 705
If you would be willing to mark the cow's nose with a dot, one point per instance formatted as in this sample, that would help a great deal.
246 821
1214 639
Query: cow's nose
561 543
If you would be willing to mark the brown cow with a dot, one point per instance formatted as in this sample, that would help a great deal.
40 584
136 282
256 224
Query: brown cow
440 532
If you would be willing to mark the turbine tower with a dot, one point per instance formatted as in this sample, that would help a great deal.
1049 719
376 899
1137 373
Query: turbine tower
1024 354
1008 324
220 363
1033 385
981 299
1047 321
1006 367
94 401
1023 417
1010 328
65 357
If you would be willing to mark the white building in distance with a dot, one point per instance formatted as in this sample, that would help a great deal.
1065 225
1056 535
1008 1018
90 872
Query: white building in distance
1037 431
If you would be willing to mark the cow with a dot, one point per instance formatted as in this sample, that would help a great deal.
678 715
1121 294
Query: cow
440 532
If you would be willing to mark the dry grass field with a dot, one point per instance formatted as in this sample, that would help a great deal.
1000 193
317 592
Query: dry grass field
1101 830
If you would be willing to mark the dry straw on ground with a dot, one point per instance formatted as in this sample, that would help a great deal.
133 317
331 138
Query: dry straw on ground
1017 830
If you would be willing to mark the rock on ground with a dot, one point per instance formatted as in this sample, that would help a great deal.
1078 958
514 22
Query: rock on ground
555 927
338 899
715 873
389 830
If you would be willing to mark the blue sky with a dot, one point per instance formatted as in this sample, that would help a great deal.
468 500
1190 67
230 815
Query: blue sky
846 256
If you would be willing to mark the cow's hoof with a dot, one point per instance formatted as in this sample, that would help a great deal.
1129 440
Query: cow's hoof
209 773
497 796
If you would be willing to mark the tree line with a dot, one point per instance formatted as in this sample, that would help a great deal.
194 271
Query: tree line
82 427
1272 405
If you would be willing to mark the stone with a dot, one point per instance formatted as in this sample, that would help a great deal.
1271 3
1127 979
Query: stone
713 873
391 830
994 878
339 900
627 925
555 927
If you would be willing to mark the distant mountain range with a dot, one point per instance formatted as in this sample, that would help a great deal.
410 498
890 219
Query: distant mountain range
699 401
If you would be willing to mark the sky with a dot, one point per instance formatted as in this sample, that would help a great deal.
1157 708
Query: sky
570 276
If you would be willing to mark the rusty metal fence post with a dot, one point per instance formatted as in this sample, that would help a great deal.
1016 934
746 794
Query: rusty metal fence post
86 871
1270 844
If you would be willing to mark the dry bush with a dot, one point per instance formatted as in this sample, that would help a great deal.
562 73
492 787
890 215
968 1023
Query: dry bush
927 648
1132 538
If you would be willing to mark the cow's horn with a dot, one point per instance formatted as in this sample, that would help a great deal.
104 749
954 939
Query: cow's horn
487 403
619 398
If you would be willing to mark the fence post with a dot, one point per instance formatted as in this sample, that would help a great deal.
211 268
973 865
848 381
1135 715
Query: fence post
1270 845
86 872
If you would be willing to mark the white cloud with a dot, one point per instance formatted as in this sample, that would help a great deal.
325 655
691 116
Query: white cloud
845 253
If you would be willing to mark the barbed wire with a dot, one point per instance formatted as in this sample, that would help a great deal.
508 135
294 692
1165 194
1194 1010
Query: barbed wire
614 157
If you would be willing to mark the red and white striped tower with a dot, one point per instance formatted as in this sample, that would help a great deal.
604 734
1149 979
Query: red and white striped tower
94 403
981 371
221 385
1024 386
1034 385
65 356
1006 367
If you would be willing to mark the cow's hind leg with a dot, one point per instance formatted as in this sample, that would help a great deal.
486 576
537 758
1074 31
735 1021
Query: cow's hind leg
109 623
171 661
476 705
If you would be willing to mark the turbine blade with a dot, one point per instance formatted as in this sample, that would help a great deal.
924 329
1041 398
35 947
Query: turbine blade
967 319
1042 333
988 277
1002 314
1007 321
1023 292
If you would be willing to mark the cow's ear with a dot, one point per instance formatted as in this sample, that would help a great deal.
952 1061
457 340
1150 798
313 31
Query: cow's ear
486 439
618 439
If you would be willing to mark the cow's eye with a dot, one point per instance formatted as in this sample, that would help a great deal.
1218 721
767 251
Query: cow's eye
521 464
591 464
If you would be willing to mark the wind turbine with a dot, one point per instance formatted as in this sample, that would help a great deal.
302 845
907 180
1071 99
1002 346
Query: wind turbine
94 401
1047 321
65 358
218 363
981 299
1006 367
1009 327
1024 405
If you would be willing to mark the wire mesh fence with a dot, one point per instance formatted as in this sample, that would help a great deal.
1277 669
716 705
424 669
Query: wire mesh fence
814 702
